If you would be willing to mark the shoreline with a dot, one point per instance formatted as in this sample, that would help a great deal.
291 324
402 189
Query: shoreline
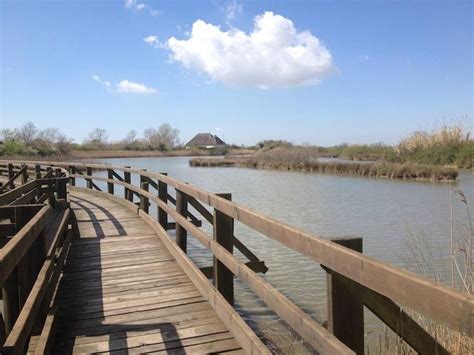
110 154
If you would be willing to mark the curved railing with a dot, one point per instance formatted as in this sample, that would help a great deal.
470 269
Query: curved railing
381 287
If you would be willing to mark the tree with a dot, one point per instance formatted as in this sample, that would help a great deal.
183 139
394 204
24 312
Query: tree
7 134
97 138
27 133
165 137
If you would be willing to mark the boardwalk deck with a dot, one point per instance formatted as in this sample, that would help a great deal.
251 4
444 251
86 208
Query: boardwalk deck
122 291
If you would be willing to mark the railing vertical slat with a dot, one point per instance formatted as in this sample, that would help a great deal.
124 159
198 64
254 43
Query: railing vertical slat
88 179
11 173
127 178
163 196
61 188
182 209
346 304
24 175
72 179
144 204
224 234
110 185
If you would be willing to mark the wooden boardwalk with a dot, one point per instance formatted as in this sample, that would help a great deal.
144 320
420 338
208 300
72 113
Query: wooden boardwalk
122 291
89 269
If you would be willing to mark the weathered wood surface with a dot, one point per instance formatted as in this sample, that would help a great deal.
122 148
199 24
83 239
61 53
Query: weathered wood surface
121 290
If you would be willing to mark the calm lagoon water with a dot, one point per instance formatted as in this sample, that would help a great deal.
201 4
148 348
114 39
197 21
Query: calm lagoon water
384 213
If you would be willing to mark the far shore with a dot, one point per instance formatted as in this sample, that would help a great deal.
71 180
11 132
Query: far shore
106 154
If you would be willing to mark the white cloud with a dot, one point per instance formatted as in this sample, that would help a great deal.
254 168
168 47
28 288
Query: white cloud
231 10
153 41
134 5
100 81
138 6
126 86
274 54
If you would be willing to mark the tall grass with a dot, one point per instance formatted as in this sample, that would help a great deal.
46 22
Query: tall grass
423 258
306 159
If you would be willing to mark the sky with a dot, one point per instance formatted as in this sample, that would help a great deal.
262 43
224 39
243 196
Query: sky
317 72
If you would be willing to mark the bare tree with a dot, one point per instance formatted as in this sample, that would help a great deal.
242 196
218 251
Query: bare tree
165 137
98 137
28 132
8 134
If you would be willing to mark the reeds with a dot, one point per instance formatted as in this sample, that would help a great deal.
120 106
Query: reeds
306 159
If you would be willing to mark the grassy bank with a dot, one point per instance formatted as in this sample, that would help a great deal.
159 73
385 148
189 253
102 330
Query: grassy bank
305 160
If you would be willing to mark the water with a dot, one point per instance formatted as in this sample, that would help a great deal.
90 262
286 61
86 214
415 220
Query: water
384 213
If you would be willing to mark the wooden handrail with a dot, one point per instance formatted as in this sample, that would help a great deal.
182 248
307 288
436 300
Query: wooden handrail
16 248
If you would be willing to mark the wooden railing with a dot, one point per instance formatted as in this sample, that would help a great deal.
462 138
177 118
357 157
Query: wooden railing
354 280
34 238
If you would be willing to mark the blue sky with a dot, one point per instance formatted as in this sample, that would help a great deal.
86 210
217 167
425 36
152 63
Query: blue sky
366 71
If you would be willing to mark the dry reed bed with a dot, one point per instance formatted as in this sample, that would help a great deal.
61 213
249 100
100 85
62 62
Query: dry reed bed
405 171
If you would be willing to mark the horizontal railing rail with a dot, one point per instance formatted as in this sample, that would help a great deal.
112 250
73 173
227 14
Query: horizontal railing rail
383 285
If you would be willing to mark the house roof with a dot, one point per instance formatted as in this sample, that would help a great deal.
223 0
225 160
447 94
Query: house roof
205 139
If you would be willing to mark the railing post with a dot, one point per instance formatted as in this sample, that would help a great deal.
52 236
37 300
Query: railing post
163 196
182 209
38 171
10 298
110 185
127 178
143 199
72 179
51 199
223 234
346 304
89 180
11 173
24 175
61 188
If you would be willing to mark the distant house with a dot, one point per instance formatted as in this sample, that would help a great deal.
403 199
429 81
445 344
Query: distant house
205 140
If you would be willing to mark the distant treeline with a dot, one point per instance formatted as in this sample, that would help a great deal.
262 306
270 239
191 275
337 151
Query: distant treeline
29 140
447 146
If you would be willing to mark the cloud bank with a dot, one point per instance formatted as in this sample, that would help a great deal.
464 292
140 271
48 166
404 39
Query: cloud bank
274 54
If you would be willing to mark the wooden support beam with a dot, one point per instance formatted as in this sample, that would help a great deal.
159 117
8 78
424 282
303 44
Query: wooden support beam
345 304
37 171
255 266
89 180
11 174
127 179
182 209
163 196
72 179
110 185
144 203
224 234
24 174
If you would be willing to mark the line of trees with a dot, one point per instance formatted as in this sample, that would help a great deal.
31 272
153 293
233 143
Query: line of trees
29 140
